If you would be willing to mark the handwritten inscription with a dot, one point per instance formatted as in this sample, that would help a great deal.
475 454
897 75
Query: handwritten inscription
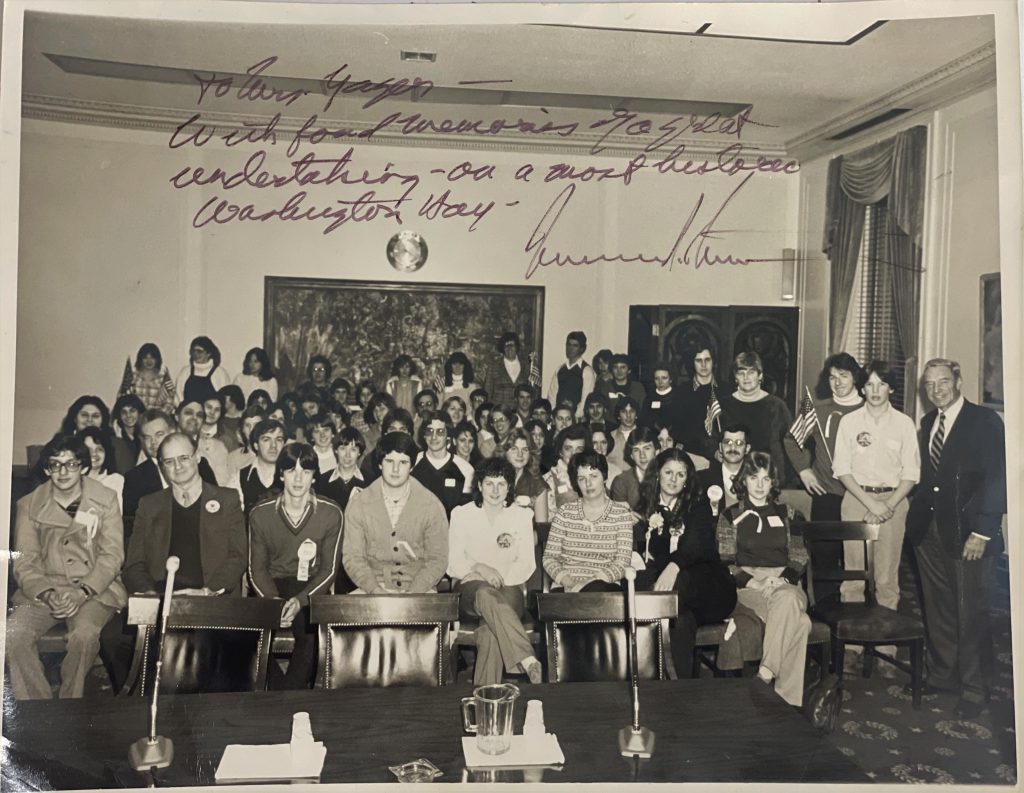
692 248
333 191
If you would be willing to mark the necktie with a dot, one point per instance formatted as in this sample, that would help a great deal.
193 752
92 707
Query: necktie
935 450
185 498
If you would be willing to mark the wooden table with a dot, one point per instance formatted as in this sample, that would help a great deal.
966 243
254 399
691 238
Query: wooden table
718 730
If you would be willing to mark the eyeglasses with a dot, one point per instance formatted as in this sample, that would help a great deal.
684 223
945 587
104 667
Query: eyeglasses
70 466
319 368
737 444
181 459
435 431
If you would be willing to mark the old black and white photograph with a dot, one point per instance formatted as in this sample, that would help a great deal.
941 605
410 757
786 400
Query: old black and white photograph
615 393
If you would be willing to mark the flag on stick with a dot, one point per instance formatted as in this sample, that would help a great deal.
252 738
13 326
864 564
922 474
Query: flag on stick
439 383
126 379
167 386
534 377
806 420
714 414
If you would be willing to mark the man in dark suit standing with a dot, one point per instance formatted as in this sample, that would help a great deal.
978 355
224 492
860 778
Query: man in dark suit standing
955 523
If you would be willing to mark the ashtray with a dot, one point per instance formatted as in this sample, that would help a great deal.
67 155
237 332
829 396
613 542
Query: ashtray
421 770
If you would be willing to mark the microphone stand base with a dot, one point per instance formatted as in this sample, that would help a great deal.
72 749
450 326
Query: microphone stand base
145 754
636 743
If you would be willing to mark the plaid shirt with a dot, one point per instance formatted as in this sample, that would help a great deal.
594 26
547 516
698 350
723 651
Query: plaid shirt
152 392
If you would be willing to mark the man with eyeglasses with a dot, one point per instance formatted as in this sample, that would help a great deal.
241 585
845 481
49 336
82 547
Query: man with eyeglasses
67 558
200 523
955 526
146 477
732 447
447 476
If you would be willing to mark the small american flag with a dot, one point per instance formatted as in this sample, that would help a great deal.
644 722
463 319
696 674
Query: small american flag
439 383
714 413
126 379
534 378
806 421
168 388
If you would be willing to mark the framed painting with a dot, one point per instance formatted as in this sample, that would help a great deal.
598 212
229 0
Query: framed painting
362 326
991 369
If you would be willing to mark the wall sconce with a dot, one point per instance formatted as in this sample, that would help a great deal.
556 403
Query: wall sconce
788 274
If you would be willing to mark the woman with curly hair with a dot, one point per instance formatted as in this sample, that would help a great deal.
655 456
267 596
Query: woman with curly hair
404 385
676 540
769 560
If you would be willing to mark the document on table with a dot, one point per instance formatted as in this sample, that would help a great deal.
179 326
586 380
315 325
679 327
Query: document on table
526 750
252 763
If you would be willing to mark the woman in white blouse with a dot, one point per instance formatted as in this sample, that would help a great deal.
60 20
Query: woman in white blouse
491 556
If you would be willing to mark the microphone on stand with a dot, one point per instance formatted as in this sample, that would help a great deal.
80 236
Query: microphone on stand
156 751
634 740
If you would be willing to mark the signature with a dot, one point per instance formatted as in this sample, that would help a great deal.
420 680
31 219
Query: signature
690 248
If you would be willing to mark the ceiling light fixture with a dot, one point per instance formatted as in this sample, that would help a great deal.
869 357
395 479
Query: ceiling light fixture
419 57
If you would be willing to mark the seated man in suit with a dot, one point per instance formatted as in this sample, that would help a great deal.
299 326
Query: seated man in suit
67 560
733 447
202 524
146 477
396 533
955 526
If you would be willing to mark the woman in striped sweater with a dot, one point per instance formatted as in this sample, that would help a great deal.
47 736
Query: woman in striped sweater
591 540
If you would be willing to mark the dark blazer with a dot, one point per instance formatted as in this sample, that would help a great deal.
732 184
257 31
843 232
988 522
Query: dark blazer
968 491
224 547
144 479
712 475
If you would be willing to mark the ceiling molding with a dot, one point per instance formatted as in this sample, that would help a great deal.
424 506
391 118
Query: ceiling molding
964 75
165 120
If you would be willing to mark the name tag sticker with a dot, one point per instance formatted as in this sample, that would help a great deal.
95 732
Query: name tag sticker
775 521
306 554
90 521
655 405
449 482
563 488
523 501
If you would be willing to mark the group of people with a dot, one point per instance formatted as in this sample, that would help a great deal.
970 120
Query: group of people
335 487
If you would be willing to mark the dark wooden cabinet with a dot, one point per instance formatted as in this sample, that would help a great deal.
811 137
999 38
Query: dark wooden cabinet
674 334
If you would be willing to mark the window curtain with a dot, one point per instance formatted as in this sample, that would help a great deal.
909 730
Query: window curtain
893 168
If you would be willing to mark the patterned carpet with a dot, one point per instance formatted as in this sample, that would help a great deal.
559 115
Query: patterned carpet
879 729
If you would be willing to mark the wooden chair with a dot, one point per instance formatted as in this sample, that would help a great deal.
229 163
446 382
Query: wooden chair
211 645
586 635
867 624
384 640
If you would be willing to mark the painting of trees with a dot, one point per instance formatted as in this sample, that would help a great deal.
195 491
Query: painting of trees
362 326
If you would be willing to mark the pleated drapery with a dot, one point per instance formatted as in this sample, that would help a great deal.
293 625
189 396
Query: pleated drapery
894 168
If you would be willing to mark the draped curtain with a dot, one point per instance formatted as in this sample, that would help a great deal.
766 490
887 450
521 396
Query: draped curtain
893 168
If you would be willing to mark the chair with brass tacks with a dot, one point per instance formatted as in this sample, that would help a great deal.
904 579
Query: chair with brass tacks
586 635
384 640
211 645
